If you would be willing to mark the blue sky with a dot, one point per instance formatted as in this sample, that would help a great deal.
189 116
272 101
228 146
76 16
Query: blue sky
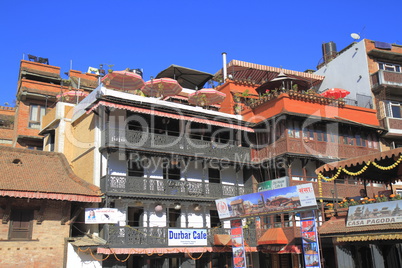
155 34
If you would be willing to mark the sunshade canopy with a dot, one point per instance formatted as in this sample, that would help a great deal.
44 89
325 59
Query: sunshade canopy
187 78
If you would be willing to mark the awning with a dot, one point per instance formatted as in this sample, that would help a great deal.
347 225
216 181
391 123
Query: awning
288 249
240 70
55 196
372 237
170 115
273 236
385 158
222 240
166 250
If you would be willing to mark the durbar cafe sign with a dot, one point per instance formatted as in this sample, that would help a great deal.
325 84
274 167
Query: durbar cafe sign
187 237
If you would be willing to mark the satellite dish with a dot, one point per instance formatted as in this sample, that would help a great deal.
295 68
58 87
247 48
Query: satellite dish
355 36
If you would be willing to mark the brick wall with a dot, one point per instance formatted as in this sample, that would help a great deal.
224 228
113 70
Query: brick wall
373 65
47 247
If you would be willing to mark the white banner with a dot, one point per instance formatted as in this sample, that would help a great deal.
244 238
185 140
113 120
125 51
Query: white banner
187 237
102 215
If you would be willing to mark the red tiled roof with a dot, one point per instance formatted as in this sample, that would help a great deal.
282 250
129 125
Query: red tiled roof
273 236
37 174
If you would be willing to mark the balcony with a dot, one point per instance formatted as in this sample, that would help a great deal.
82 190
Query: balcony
392 81
316 148
392 125
136 186
157 237
29 68
182 145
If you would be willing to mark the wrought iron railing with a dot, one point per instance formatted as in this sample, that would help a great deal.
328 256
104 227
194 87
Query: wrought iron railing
182 144
151 237
128 185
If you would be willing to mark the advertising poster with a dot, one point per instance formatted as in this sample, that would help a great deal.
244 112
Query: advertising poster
102 215
187 237
310 240
239 253
377 213
266 202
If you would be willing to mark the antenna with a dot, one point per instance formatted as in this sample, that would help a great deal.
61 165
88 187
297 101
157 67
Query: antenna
355 36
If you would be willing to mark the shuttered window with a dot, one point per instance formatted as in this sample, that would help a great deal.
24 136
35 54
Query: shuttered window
21 224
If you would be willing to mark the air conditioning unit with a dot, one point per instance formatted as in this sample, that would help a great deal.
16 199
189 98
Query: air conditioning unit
93 70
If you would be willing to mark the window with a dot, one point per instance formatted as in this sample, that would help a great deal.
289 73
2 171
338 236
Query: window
214 217
214 175
393 109
135 169
389 67
171 172
35 116
321 133
21 224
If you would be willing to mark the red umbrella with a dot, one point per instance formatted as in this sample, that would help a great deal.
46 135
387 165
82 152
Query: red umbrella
206 96
123 80
335 93
161 87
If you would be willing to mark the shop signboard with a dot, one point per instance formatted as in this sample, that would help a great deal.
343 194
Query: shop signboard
376 213
273 184
187 237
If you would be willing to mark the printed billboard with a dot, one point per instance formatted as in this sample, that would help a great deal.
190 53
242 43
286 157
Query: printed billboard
309 235
377 213
267 202
239 253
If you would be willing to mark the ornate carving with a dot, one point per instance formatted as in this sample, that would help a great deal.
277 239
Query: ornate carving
169 187
174 144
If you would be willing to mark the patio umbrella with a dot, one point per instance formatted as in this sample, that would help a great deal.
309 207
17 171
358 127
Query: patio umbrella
123 80
205 97
335 93
161 87
72 96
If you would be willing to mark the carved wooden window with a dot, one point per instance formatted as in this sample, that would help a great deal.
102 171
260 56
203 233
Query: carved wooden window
21 224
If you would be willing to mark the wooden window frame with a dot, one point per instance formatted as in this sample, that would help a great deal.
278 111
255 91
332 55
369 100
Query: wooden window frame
16 227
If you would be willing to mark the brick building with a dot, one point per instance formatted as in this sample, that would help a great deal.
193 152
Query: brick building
7 115
39 87
40 197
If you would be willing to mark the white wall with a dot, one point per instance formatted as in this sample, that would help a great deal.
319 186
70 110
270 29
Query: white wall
78 259
194 219
344 72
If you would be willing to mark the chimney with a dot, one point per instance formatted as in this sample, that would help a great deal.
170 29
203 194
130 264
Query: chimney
225 73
